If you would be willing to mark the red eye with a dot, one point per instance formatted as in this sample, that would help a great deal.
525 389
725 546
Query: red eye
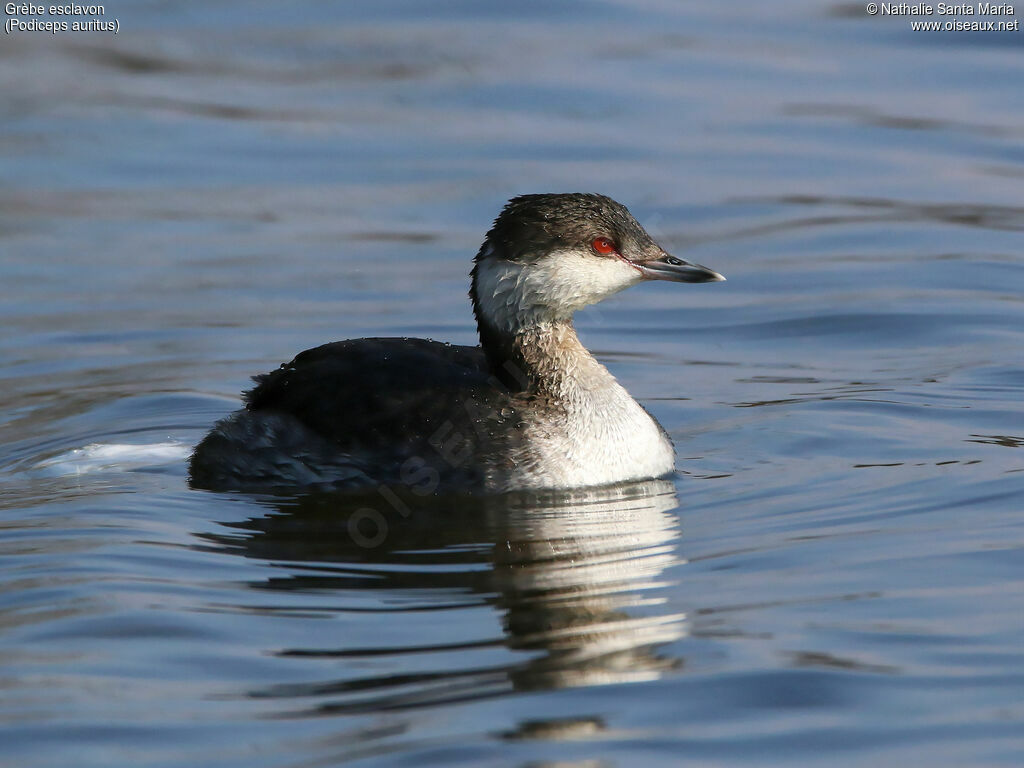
603 245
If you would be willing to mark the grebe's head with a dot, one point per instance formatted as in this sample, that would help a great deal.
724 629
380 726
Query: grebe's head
549 255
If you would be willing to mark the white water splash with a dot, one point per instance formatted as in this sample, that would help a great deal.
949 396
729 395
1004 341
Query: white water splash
122 457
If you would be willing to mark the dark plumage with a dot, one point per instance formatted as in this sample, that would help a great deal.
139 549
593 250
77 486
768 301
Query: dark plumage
396 410
531 226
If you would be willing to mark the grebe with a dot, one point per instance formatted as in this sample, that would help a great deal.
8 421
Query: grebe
530 408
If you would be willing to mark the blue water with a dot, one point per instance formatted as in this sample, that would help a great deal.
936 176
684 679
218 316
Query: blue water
835 576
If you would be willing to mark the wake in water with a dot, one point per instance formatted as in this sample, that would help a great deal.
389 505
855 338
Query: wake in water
118 457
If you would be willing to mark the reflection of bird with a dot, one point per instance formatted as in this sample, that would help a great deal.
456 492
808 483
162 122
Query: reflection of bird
569 576
529 408
578 578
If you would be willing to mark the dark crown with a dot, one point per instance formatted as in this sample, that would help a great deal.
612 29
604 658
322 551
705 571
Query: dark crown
531 226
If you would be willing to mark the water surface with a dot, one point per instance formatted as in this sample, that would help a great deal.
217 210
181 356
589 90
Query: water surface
834 576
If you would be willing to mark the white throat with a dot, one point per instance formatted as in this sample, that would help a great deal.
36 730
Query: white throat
513 296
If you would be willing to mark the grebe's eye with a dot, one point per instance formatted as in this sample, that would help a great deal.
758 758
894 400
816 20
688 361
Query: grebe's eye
603 245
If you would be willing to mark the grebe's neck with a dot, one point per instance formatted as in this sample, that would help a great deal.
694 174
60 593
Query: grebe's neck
543 358
581 425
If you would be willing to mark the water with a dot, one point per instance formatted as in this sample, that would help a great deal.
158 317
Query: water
835 577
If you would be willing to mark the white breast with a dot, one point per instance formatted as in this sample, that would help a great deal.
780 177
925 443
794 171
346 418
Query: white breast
606 438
